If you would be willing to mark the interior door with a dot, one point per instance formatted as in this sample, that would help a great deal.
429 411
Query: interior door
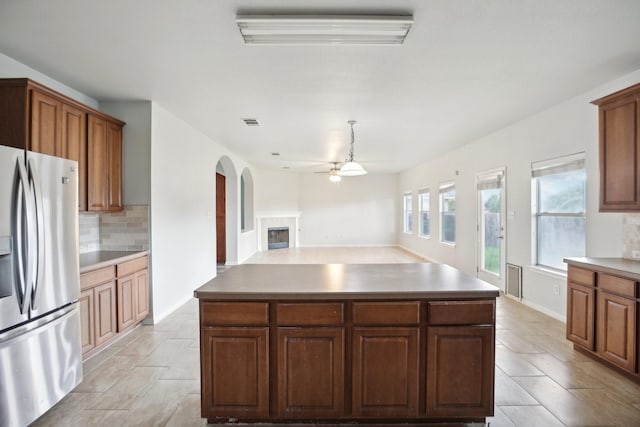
491 226
221 239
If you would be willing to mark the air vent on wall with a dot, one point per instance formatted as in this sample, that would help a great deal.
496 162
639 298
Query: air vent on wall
251 122
514 281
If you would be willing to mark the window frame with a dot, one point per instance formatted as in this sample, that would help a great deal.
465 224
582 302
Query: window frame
555 166
421 210
407 227
445 188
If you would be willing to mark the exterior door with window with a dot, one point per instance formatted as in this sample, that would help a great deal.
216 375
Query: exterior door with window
491 227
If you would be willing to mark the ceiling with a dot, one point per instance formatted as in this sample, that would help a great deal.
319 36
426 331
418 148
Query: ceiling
467 68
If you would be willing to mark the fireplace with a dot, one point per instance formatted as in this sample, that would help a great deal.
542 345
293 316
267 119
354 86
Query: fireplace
278 237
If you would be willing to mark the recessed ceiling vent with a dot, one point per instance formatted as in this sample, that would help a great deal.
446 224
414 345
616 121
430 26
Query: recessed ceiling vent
251 122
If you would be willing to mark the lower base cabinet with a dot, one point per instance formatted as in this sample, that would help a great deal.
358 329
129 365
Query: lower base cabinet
310 372
303 361
616 333
87 316
603 318
385 371
235 371
460 370
97 305
111 303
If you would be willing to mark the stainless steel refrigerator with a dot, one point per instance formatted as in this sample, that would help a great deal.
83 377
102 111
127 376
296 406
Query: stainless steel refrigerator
40 350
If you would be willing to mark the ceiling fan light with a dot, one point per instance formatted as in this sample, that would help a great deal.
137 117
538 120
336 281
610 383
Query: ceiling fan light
352 169
334 177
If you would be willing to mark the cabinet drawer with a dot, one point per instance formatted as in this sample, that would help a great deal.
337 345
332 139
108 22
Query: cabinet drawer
310 314
128 267
96 277
617 285
580 275
234 313
386 313
461 312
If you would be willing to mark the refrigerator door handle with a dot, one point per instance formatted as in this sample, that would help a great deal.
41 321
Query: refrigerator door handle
20 225
34 182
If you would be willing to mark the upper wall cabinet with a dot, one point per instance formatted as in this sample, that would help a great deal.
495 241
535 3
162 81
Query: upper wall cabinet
36 118
620 150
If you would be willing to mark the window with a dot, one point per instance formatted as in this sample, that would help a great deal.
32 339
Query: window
246 200
242 204
408 213
558 201
423 201
448 213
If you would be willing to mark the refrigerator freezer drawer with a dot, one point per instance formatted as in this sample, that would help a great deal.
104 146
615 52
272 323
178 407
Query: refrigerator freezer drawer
38 368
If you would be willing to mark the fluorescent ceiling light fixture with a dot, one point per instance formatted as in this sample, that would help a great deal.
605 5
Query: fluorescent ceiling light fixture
324 29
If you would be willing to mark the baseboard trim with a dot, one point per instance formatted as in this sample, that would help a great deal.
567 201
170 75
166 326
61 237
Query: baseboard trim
544 310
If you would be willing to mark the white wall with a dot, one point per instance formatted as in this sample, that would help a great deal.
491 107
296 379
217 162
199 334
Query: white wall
276 193
567 128
10 68
358 211
136 149
183 242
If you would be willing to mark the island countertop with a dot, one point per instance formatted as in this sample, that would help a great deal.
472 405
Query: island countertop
340 281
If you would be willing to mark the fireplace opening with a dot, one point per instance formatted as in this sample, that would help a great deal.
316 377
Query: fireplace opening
278 237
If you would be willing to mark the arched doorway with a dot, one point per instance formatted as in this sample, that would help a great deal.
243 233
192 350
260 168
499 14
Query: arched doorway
226 212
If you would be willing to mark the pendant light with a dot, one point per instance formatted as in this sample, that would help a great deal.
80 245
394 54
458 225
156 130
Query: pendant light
351 168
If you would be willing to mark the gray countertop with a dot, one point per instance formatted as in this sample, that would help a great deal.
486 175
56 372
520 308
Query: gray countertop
93 260
344 281
620 266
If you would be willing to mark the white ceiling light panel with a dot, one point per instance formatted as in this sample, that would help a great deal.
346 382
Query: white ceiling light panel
324 29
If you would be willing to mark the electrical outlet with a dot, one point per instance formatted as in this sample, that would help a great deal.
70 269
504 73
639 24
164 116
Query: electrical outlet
556 289
635 254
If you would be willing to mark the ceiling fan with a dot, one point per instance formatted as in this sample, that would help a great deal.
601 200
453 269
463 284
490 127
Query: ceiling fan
333 172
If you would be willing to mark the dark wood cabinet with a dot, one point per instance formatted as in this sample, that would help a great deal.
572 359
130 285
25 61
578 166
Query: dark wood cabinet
87 316
235 371
581 296
42 120
127 296
460 371
74 146
105 312
460 359
141 306
619 123
133 293
104 148
310 372
292 360
385 371
46 124
602 315
113 299
97 306
616 335
114 166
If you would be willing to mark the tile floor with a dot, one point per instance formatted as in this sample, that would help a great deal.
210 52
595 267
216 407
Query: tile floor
151 376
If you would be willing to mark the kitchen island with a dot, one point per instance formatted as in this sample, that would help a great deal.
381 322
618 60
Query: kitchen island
347 343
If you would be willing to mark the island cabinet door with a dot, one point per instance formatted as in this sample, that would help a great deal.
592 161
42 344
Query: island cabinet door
310 372
235 372
460 371
385 371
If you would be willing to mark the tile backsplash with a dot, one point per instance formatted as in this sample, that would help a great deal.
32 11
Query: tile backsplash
631 235
118 231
